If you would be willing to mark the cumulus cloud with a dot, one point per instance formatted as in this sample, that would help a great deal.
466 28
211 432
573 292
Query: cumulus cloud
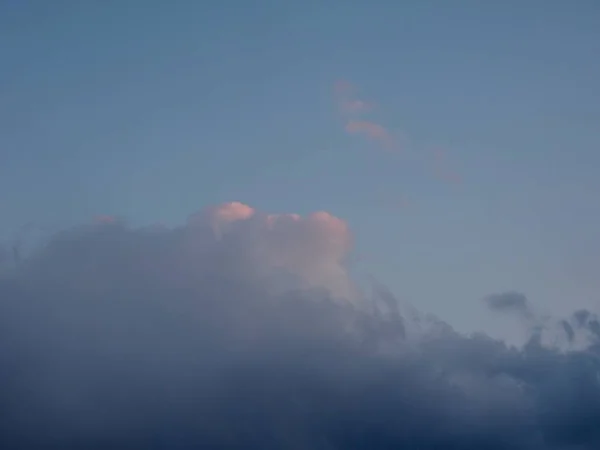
255 337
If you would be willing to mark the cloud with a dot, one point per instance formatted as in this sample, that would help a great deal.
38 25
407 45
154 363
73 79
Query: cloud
568 328
123 338
351 108
372 130
586 321
221 216
347 102
356 107
509 302
104 218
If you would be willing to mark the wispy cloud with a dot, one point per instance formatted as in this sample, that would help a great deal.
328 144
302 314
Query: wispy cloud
105 219
348 104
352 108
343 88
373 131
354 112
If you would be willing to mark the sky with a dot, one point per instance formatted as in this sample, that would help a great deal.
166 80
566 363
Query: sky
150 111
231 192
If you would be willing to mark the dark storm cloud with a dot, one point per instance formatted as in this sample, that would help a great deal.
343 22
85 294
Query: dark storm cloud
114 338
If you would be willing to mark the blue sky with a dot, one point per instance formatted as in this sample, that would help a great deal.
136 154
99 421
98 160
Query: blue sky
151 110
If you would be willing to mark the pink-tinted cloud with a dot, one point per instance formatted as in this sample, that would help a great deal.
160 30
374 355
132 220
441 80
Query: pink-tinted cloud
313 248
343 88
221 216
347 102
321 222
229 212
373 131
355 107
274 220
104 219
351 108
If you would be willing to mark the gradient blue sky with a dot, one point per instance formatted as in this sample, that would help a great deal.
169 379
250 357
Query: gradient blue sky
152 109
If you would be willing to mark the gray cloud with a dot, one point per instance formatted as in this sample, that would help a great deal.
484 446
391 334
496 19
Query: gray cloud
512 302
112 337
569 331
589 322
